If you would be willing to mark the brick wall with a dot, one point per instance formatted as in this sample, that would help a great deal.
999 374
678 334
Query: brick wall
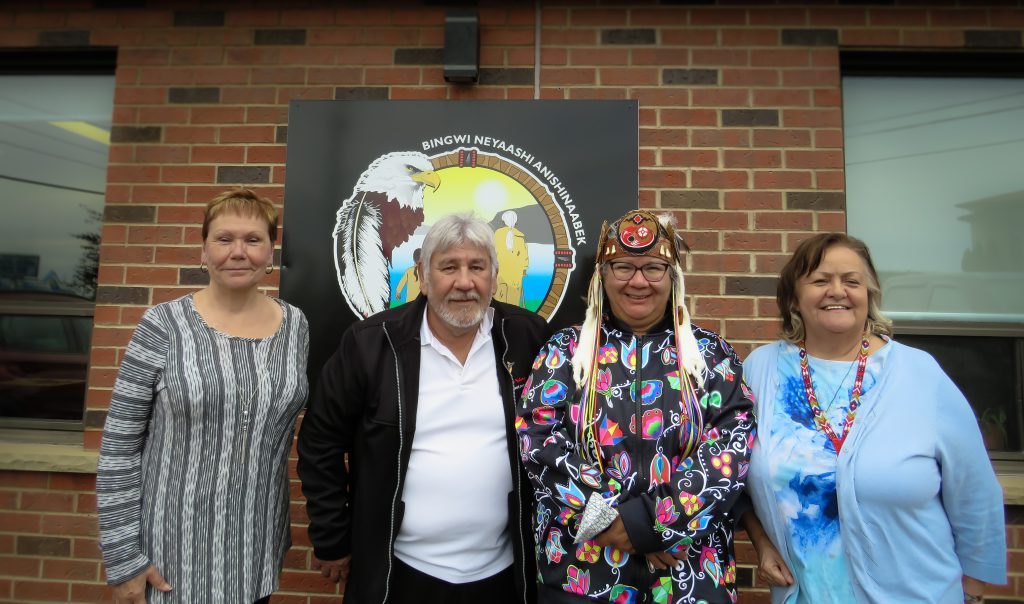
740 137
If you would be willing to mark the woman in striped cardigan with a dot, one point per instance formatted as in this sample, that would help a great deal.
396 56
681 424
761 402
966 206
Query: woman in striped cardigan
192 483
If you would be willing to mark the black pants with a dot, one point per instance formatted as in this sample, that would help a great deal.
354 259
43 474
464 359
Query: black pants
410 586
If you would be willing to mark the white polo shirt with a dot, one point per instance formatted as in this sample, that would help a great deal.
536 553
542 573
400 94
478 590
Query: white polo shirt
455 526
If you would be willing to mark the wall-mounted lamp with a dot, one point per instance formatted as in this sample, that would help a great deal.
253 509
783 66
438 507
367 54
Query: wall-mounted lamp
461 46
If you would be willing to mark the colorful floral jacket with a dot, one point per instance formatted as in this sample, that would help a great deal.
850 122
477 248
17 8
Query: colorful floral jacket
666 503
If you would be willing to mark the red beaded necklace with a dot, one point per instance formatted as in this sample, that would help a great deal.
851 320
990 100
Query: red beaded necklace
851 412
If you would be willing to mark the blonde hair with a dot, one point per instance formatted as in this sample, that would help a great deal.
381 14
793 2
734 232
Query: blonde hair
804 261
242 202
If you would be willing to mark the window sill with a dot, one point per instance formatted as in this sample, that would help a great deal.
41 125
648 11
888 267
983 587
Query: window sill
1011 477
45 451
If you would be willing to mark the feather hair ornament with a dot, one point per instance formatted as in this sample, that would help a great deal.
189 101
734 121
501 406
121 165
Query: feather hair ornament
385 208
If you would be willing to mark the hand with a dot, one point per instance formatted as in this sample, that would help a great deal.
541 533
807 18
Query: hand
973 587
664 560
615 536
133 591
335 570
771 568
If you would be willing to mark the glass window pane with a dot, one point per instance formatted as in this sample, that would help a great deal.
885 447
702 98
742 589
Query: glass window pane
985 369
933 176
54 139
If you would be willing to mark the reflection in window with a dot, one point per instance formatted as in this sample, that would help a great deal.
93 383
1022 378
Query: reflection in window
54 138
933 170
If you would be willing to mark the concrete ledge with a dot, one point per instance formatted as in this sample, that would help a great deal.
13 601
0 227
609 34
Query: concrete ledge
36 457
1013 485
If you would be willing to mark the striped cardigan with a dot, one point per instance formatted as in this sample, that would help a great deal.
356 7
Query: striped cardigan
193 473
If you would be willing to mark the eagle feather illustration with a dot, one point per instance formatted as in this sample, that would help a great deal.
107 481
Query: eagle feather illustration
384 210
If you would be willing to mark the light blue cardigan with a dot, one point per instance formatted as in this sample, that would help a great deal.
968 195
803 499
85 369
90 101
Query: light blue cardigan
918 499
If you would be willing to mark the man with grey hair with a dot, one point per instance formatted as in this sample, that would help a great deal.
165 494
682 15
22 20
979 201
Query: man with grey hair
433 505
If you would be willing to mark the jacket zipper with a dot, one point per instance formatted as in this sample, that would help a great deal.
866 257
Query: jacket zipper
398 482
515 469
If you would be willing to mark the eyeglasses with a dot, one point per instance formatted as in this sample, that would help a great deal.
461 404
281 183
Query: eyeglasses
653 272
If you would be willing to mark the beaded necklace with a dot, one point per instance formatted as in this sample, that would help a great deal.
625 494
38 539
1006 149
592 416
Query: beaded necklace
851 413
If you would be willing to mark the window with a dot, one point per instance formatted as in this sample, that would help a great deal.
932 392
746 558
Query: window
933 145
55 116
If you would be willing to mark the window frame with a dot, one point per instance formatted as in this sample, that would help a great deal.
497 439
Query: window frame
87 60
964 63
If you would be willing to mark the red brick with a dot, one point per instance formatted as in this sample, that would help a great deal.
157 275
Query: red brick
814 159
755 242
265 155
23 522
663 137
217 115
720 263
190 134
688 117
575 76
747 158
66 481
41 590
936 38
248 95
148 275
834 180
724 137
897 16
810 77
156 235
957 17
782 179
220 76
278 75
724 307
85 503
82 592
663 57
672 179
218 154
718 16
161 154
651 97
720 97
29 20
830 97
190 215
150 95
719 221
163 115
176 174
781 97
110 275
696 36
769 264
750 37
133 174
629 76
785 221
103 357
832 221
790 17
869 37
71 570
8 501
686 158
751 329
753 200
46 501
750 77
723 179
247 134
23 480
812 118
719 57
197 56
20 566
698 285
164 294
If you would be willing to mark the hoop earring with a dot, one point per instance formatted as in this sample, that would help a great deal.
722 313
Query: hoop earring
202 267
270 269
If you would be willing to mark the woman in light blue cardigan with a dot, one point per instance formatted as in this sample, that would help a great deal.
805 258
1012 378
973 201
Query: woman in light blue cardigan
869 477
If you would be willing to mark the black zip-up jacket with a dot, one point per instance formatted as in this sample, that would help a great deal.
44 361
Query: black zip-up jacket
365 405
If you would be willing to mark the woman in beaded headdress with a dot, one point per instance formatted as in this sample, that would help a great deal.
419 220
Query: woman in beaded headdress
635 430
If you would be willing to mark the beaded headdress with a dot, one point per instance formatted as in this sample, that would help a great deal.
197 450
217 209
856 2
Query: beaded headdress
639 233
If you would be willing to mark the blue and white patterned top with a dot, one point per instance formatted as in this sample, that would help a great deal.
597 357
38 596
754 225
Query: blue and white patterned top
803 472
